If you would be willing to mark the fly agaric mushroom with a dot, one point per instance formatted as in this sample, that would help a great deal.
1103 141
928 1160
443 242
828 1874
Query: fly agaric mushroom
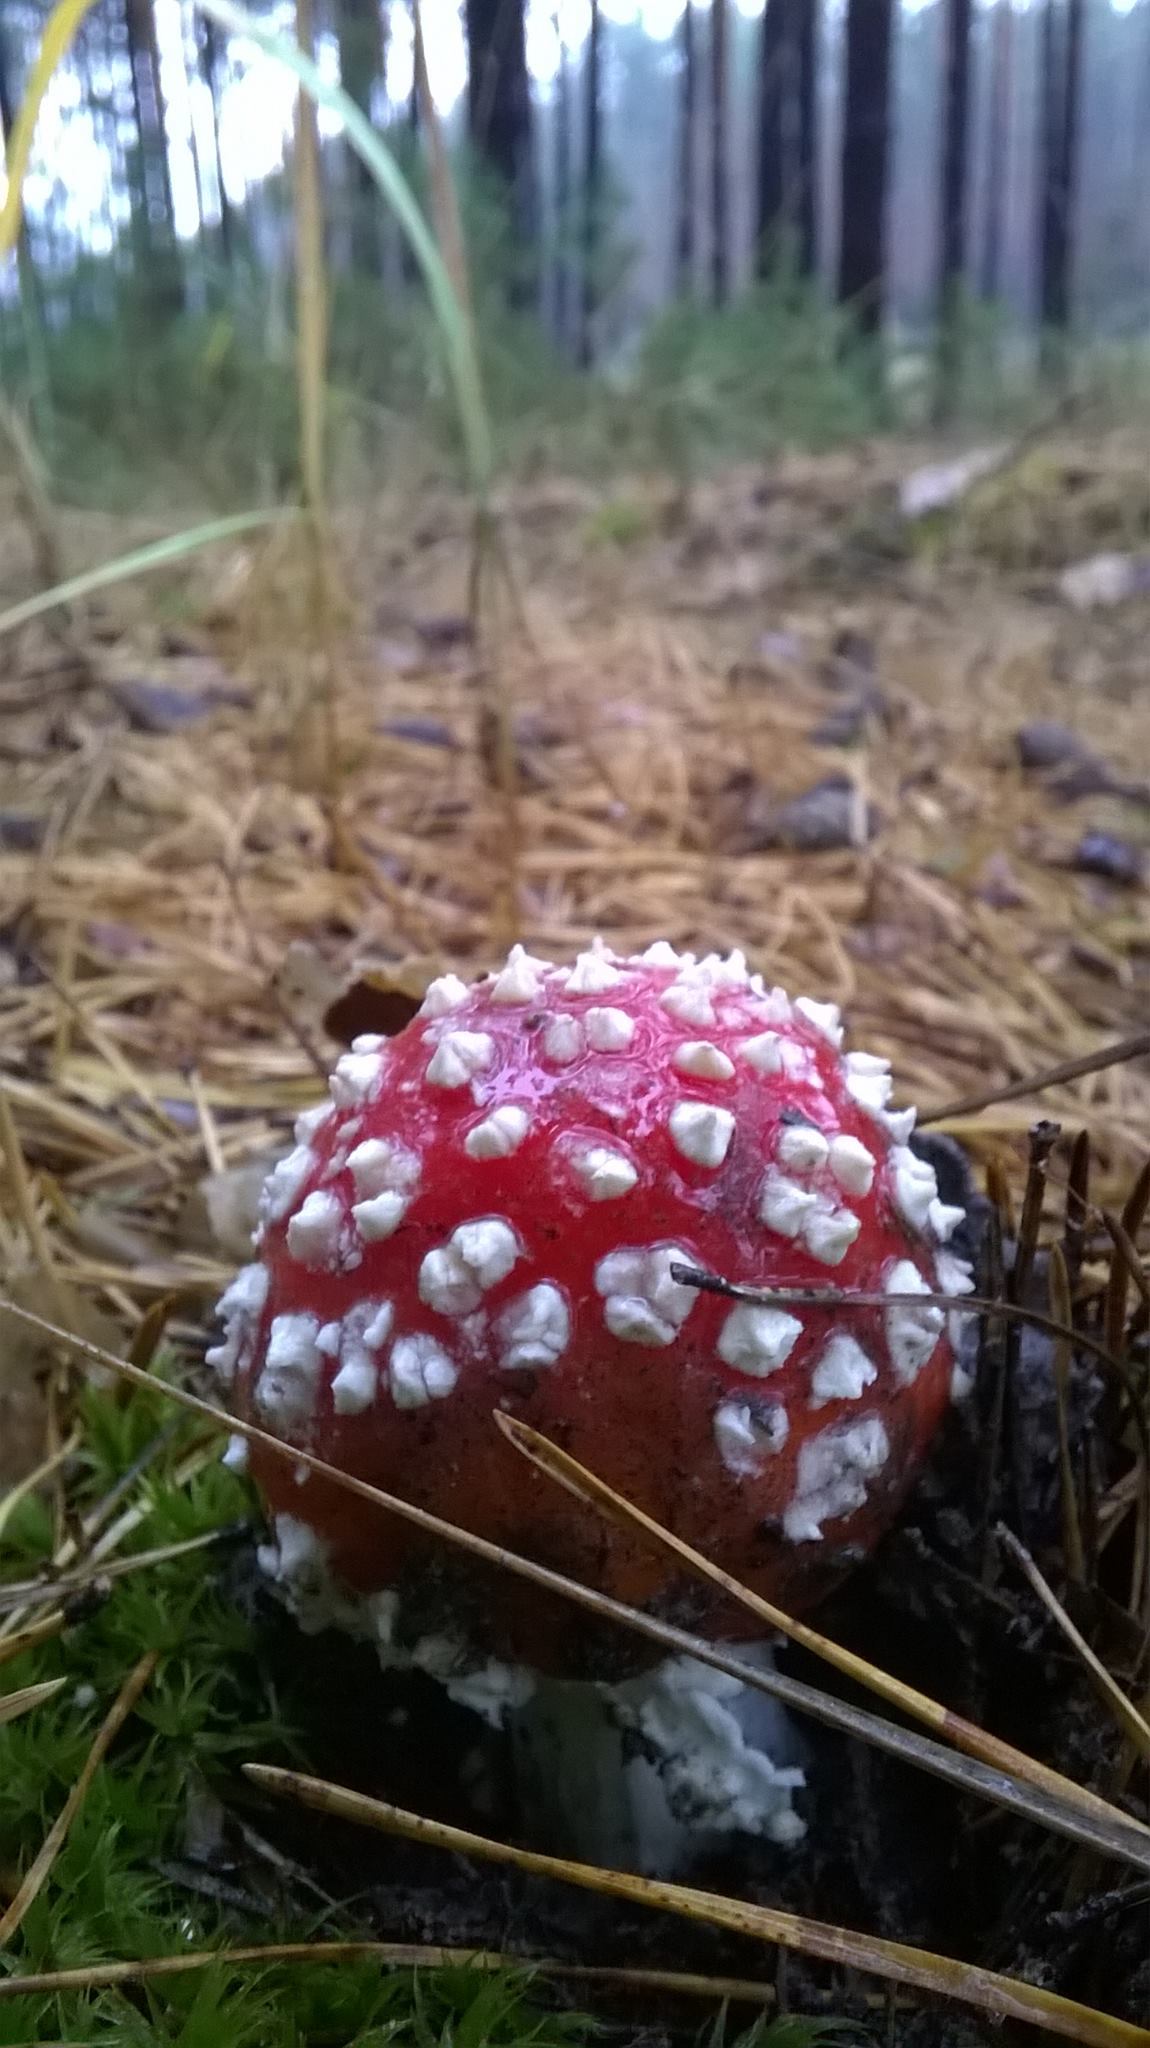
489 1213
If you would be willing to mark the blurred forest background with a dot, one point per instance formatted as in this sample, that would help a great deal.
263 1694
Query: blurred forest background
695 232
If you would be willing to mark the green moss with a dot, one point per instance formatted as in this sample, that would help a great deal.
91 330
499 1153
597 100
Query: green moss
208 1706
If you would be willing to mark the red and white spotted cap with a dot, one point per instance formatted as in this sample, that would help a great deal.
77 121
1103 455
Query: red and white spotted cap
487 1214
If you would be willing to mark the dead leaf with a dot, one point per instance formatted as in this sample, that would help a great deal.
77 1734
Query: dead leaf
1104 580
939 485
381 999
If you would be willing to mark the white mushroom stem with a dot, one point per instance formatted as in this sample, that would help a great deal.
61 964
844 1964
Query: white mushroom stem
648 1774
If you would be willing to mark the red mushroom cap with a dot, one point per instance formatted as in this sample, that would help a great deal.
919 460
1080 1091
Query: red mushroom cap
487 1214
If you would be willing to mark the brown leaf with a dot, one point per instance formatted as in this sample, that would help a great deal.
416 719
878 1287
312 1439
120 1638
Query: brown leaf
381 999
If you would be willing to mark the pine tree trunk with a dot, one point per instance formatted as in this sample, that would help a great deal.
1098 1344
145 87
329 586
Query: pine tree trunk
562 187
1071 140
592 188
499 119
807 167
1062 30
688 120
952 203
210 53
153 210
720 212
997 148
865 161
773 91
362 73
787 197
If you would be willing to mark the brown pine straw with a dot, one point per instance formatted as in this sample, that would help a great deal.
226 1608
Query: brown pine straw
919 1969
14 1704
1073 1814
38 1870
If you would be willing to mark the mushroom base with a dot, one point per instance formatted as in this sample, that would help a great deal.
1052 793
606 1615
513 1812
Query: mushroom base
647 1775
644 1774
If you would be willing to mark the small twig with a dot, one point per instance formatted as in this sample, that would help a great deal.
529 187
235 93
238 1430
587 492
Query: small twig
54 1840
1062 1308
1123 1709
1048 1077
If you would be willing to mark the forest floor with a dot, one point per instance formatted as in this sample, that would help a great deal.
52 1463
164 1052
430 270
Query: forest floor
905 765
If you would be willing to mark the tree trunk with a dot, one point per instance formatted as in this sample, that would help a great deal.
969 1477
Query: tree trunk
997 148
562 186
774 92
592 188
499 105
362 73
865 161
952 203
720 229
1071 137
1062 27
787 197
152 208
210 55
807 164
688 119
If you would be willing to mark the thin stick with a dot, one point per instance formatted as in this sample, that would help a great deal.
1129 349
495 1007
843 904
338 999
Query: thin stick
54 1840
838 1297
1062 1306
973 1741
1114 1832
1049 1077
1124 1710
985 1990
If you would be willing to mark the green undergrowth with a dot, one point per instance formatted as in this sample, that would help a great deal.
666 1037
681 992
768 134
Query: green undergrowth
113 1892
207 1708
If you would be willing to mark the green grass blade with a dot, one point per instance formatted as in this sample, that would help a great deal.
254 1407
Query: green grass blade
454 324
156 555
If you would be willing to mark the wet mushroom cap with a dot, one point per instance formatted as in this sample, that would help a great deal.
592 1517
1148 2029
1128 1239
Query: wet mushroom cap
487 1214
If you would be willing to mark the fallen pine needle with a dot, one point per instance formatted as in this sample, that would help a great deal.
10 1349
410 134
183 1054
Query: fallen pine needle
13 1704
973 1741
31 1638
1123 1709
396 1955
54 1840
986 1990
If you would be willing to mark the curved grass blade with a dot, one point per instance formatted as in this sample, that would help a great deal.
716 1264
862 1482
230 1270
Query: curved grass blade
966 1736
919 1969
451 317
1111 1831
157 555
55 43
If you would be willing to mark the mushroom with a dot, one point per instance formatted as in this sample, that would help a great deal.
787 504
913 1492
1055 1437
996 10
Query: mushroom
490 1212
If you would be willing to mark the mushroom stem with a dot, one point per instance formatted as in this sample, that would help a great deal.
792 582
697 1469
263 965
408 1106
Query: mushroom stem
649 1774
